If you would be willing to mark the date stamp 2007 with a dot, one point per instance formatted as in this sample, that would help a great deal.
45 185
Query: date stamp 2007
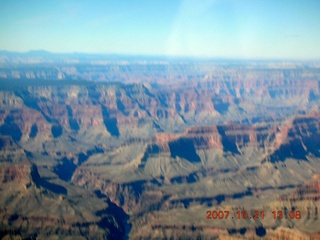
254 214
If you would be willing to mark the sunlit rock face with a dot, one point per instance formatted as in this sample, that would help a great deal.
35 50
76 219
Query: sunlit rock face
165 152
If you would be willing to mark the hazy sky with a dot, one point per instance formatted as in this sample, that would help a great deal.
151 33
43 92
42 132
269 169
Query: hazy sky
213 28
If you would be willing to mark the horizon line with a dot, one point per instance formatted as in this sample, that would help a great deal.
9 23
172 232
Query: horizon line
189 57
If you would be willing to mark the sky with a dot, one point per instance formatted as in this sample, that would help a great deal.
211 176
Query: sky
277 29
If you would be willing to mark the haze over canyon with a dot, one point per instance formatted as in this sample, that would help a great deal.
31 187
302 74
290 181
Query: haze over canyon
116 147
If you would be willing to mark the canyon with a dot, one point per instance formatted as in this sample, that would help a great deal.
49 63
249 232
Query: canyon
146 149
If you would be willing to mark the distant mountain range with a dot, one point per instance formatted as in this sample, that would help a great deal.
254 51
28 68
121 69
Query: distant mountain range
133 57
44 65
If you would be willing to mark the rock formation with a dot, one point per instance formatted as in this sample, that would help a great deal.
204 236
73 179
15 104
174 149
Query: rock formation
78 153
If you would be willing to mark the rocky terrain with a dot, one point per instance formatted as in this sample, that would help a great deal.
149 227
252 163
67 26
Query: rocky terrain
147 157
32 207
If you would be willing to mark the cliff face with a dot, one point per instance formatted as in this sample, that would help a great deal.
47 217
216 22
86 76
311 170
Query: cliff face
52 110
297 138
164 153
204 232
34 207
302 132
308 192
141 197
15 173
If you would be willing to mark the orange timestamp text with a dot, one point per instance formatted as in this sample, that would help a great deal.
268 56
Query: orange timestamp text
254 214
